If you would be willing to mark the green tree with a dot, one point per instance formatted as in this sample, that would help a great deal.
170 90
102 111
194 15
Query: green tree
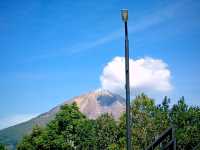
69 130
143 123
31 141
143 118
2 147
85 139
186 121
106 132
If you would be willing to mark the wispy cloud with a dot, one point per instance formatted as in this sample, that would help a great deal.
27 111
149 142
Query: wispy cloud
15 119
157 17
146 22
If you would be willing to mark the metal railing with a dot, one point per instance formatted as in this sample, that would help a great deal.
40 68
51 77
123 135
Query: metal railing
168 134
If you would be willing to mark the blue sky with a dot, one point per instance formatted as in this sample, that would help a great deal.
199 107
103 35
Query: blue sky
54 50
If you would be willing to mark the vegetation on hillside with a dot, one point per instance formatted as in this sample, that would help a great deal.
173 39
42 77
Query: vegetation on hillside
2 147
72 130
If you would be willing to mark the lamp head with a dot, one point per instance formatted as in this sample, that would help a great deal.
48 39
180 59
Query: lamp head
124 13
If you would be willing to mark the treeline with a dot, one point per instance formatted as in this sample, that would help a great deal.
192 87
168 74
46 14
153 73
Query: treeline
72 130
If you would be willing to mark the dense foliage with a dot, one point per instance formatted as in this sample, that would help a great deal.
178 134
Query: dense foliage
72 130
2 147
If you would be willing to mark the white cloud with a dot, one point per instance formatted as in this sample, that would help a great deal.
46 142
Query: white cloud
15 119
146 75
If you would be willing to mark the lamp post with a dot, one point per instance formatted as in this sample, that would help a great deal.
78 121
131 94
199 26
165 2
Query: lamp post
124 13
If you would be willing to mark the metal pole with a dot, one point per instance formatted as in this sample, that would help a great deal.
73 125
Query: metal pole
128 117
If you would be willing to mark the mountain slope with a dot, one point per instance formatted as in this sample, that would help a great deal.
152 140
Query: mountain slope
91 104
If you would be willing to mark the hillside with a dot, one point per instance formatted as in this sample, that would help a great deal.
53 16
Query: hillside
91 104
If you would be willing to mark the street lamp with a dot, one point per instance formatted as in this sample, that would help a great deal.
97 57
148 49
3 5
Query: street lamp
124 13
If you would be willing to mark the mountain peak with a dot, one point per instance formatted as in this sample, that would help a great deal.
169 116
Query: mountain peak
95 103
102 92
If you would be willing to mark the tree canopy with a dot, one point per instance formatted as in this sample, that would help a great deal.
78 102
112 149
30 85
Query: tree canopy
2 147
72 130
